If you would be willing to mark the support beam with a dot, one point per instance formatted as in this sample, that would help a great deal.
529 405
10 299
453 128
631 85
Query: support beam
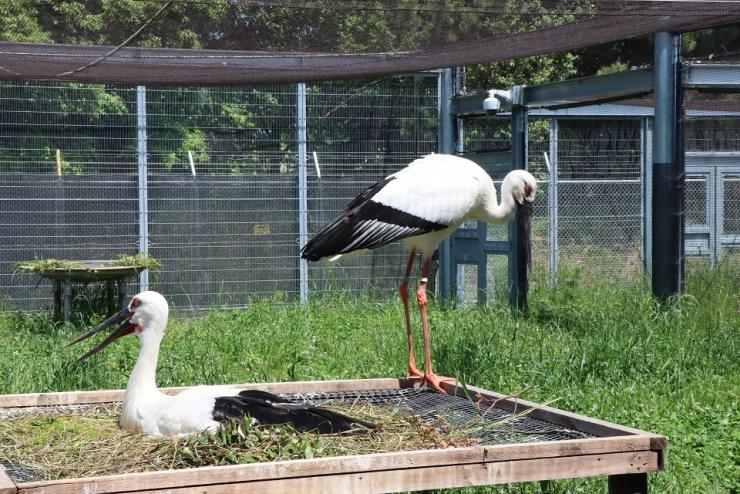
716 76
572 92
668 169
446 145
518 283
590 90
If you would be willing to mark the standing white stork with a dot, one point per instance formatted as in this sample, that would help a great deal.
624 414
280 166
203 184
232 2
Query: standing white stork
422 204
146 409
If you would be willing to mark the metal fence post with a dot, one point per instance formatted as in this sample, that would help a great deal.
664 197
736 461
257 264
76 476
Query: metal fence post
646 165
445 145
716 213
552 201
302 189
668 169
143 192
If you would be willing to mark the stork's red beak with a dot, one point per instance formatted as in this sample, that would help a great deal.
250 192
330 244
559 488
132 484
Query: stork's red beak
124 329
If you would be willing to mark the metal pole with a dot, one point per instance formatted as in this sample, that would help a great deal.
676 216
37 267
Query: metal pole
445 145
646 162
302 189
517 261
143 195
668 169
552 199
715 213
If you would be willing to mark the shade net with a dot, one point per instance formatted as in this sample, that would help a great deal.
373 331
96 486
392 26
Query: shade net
241 41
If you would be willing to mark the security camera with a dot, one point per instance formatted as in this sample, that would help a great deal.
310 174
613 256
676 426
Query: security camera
496 98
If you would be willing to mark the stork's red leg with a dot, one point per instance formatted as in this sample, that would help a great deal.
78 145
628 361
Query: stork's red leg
404 291
430 378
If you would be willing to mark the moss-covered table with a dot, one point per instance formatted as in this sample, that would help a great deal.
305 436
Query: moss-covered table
107 272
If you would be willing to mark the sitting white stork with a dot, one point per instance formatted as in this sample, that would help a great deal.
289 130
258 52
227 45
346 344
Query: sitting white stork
422 204
146 409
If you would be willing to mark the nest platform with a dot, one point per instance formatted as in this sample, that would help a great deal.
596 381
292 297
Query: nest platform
524 442
85 272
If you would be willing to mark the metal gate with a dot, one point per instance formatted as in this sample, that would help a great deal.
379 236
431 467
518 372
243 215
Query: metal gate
712 191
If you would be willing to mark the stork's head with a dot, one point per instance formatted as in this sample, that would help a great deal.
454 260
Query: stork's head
523 186
145 316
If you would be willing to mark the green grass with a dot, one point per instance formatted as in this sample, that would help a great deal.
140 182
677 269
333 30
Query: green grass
605 351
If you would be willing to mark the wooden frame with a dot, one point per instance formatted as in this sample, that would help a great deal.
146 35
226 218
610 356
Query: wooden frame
619 451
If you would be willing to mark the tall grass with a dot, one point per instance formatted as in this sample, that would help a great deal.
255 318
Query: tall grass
606 351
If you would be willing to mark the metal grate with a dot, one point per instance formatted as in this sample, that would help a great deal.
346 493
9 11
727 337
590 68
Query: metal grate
497 426
20 473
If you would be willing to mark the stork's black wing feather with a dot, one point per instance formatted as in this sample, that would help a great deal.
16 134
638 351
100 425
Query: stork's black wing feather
366 224
269 409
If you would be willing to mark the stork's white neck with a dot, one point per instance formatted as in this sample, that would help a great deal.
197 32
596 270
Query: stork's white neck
495 212
142 394
144 375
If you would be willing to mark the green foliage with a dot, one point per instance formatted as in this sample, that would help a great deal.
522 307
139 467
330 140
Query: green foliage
238 441
19 22
41 265
193 140
138 260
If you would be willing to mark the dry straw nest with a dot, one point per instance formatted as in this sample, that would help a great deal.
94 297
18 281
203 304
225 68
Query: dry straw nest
82 441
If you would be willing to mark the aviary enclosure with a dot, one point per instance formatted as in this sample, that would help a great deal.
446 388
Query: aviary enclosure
218 136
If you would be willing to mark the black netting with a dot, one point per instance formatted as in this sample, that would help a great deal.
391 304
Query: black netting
239 41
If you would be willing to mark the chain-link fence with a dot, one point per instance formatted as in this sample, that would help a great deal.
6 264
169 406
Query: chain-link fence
226 167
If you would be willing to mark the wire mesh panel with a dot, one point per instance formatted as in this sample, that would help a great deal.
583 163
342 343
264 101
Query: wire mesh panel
223 183
67 179
362 132
222 190
222 180
696 200
599 198
731 206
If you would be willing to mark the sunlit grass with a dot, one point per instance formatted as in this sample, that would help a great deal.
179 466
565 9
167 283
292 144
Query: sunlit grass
607 351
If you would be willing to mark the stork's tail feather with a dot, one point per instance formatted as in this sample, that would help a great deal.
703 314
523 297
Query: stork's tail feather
269 409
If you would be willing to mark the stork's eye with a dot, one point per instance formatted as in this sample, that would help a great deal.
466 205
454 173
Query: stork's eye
135 303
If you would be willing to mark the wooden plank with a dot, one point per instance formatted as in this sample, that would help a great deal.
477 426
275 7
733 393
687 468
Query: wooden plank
343 465
441 477
107 396
6 485
561 417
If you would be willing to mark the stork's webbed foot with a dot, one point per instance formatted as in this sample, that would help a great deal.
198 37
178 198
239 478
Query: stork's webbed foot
414 372
434 381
